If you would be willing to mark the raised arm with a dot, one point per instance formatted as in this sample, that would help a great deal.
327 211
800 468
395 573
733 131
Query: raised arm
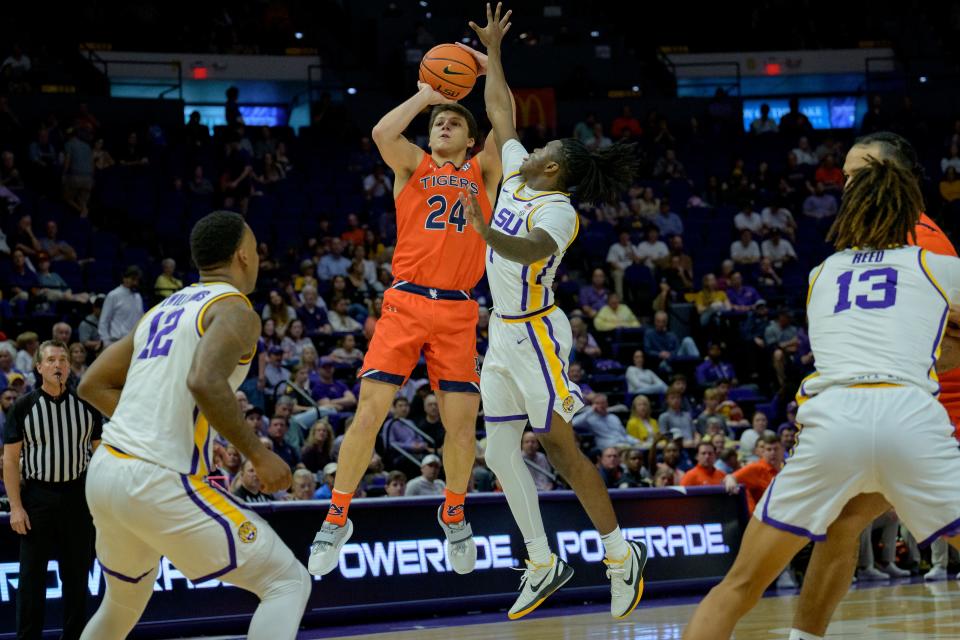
400 154
230 335
496 94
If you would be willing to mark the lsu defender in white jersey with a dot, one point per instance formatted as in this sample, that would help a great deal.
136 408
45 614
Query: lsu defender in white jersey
157 419
870 420
525 367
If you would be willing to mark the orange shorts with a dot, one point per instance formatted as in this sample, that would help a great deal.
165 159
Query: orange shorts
444 327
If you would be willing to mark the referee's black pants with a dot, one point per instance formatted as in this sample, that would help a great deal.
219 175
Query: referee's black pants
60 528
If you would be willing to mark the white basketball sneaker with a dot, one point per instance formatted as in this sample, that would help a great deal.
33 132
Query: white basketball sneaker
461 548
325 550
537 583
626 580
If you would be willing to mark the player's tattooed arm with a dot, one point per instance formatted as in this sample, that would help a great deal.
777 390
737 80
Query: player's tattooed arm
536 245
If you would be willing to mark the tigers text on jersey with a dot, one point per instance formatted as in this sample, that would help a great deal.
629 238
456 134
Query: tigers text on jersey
434 246
878 317
519 289
157 418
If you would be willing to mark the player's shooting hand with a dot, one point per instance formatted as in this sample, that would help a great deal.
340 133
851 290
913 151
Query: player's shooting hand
434 97
474 214
481 58
273 472
492 35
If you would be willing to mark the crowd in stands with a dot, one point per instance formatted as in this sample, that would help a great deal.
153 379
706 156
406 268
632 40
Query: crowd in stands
686 297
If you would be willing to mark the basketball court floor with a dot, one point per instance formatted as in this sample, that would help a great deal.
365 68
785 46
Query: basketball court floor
902 611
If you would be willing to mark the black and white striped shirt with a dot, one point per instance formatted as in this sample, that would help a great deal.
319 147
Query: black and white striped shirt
56 434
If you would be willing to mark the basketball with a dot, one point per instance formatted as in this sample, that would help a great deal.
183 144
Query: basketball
450 70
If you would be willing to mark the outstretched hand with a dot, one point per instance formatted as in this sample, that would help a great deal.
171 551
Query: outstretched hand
474 214
492 35
481 58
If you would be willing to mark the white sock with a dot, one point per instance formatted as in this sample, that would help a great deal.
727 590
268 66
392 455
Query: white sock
614 545
796 634
538 550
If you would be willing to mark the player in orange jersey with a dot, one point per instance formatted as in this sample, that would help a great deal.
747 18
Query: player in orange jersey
833 561
436 263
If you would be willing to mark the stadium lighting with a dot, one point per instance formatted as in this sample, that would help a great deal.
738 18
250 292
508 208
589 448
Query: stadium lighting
635 88
298 35
923 79
594 34
352 91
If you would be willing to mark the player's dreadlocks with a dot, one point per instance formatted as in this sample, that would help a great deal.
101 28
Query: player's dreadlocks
880 208
895 147
601 175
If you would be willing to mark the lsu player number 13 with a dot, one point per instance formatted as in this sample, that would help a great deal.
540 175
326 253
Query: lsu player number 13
525 369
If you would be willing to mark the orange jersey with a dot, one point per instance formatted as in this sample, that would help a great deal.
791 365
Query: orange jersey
932 238
701 477
434 246
755 478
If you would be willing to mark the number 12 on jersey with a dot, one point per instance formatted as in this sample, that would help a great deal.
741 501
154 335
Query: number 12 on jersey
157 342
883 281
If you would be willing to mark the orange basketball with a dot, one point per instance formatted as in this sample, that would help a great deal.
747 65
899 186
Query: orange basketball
450 70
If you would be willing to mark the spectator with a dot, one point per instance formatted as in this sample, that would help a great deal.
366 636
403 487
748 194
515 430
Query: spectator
594 297
634 473
641 424
668 222
652 251
830 175
609 467
248 489
712 370
273 171
606 428
24 282
614 315
56 249
663 345
78 365
317 451
28 343
25 239
621 256
748 219
102 160
396 485
536 462
89 329
231 110
705 473
431 424
294 342
647 206
795 122
353 236
62 332
78 173
950 185
757 476
304 485
347 352
745 250
575 374
45 158
951 160
340 320
329 475
677 421
122 308
10 176
778 217
329 392
710 301
131 155
778 249
167 283
820 204
313 313
597 140
643 381
333 263
764 124
804 154
665 477
274 372
625 121
669 167
889 525
427 483
757 431
199 185
53 288
769 282
377 185
277 432
742 297
400 431
279 311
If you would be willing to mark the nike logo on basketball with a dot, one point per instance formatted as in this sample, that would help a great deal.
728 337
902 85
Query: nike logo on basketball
520 340
450 72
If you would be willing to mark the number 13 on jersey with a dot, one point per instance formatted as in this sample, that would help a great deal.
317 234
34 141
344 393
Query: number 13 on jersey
880 286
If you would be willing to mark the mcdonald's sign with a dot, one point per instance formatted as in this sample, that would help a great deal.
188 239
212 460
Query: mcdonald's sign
536 106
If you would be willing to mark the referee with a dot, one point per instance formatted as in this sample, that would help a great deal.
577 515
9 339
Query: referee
55 432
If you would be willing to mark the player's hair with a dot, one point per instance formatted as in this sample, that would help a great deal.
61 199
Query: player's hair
215 238
601 175
880 208
472 129
894 147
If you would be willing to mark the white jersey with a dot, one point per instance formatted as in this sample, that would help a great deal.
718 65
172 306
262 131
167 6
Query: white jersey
519 289
878 317
157 418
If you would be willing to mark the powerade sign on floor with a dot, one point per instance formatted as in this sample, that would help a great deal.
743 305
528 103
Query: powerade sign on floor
396 558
